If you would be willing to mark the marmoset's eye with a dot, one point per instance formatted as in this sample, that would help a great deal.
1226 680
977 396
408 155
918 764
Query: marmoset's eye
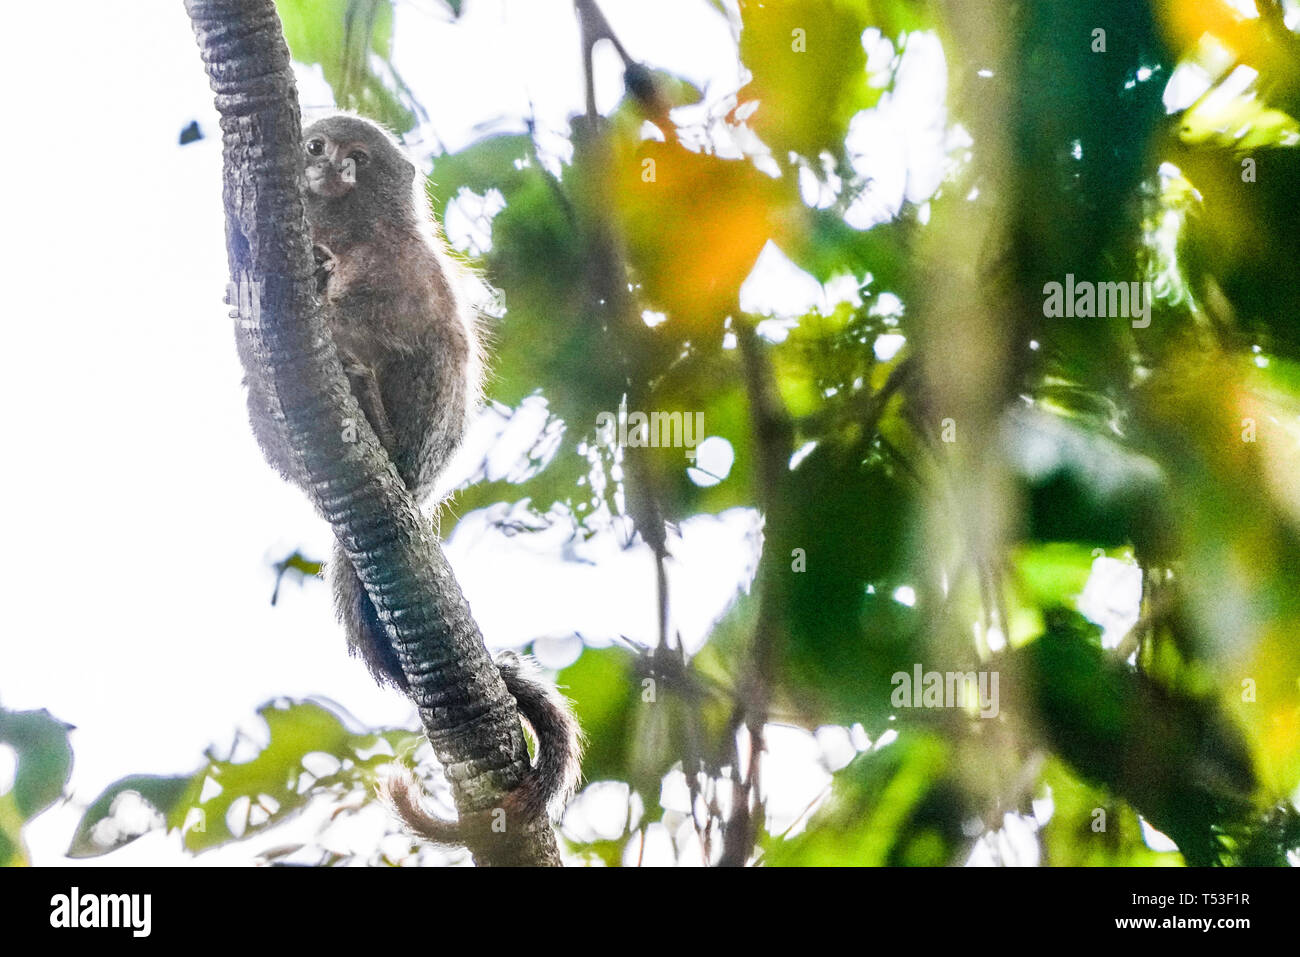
316 146
360 157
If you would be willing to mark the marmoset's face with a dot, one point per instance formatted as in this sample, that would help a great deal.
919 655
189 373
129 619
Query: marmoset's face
332 167
344 153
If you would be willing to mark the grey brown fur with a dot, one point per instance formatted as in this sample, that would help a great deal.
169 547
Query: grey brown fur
410 349
559 743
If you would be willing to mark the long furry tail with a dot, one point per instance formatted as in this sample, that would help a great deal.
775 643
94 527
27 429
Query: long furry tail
559 737
547 787
402 792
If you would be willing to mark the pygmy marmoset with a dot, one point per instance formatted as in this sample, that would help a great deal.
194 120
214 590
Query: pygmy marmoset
410 348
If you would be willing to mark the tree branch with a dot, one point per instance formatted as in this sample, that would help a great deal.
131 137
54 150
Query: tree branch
469 717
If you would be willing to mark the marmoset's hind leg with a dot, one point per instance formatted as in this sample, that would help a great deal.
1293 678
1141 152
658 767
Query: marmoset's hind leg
427 395
367 639
365 386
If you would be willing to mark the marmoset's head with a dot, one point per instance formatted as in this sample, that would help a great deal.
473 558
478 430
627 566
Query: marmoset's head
354 166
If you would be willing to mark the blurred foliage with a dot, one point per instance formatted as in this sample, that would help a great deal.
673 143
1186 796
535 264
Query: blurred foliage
1113 141
1173 756
898 807
308 754
351 41
42 765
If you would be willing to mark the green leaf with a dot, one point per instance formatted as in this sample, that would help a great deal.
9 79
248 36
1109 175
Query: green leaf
341 35
1177 759
600 684
809 71
1088 828
44 758
295 731
849 634
894 806
97 834
44 764
228 800
1054 573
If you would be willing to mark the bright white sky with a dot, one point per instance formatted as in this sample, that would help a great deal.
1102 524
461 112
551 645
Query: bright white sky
145 521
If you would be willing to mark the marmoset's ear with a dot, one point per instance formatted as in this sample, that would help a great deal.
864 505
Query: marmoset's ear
408 171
